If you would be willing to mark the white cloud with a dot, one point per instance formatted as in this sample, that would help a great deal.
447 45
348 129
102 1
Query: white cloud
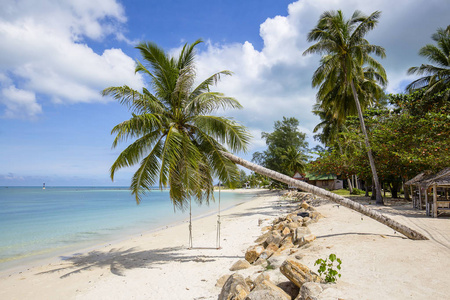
43 50
276 81
19 103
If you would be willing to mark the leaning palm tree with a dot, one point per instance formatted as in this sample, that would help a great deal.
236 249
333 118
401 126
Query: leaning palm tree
347 69
437 77
176 140
408 232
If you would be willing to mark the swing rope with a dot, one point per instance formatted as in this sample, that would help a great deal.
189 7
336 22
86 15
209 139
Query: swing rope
191 246
218 224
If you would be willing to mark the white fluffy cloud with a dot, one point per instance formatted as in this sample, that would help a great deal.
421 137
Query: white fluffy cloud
275 81
43 52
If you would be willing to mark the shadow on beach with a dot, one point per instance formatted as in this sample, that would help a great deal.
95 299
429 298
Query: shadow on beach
120 260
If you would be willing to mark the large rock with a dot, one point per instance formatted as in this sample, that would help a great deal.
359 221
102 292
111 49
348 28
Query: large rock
274 238
253 253
265 295
299 233
277 260
294 225
304 205
265 254
297 272
286 231
234 288
315 215
270 289
240 265
262 238
309 291
221 281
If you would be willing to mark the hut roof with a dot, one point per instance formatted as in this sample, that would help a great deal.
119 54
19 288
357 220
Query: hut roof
419 178
440 179
427 178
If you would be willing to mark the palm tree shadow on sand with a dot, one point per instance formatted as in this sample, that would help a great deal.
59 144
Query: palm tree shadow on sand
119 260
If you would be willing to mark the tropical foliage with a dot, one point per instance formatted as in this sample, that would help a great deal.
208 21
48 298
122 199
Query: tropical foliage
437 75
175 138
409 136
286 148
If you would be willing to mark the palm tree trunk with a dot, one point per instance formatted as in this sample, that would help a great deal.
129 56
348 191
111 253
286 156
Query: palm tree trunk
379 199
349 182
408 232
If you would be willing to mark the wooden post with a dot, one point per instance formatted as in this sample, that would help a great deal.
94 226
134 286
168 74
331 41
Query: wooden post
434 201
426 197
412 196
420 197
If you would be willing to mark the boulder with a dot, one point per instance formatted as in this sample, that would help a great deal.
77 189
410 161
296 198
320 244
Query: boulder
265 295
262 238
253 253
298 273
299 233
286 231
294 225
276 260
273 247
221 281
297 219
261 277
280 226
306 221
261 262
304 205
234 288
265 254
309 238
267 285
274 238
315 215
309 291
240 265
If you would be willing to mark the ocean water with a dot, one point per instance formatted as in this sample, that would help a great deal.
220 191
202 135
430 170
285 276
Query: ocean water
37 224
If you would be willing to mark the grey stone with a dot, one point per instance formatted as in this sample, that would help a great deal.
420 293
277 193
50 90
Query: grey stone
235 288
240 265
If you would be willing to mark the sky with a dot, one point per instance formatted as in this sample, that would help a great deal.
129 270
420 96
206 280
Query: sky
56 56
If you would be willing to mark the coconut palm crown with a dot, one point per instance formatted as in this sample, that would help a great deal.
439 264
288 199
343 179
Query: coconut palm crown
437 76
176 140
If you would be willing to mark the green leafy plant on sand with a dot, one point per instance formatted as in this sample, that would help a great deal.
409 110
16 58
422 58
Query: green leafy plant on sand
326 267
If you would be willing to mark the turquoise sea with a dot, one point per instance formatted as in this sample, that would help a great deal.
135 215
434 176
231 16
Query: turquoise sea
37 224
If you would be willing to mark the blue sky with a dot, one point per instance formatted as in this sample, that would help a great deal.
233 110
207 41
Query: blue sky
55 59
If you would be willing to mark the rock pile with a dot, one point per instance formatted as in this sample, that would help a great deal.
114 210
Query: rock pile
277 249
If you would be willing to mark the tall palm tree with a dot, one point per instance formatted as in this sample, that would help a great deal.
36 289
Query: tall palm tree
175 139
437 77
347 69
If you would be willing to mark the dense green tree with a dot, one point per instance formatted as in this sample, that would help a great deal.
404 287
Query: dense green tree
347 68
176 140
286 147
437 75
410 136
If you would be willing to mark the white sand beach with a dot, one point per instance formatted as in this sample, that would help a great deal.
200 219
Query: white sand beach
377 263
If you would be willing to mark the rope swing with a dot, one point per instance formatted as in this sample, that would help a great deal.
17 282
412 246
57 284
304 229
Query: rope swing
191 245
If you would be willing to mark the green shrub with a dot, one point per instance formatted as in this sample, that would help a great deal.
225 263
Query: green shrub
326 267
357 192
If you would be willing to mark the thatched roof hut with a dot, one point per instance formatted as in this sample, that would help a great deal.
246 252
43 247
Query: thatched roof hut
426 181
